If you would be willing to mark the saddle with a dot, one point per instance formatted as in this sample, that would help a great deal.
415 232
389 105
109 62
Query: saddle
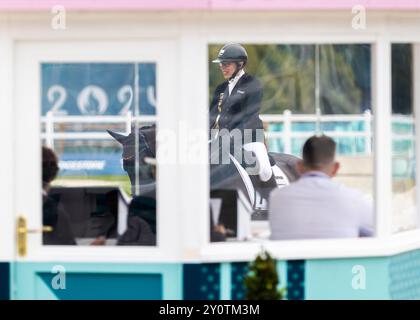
258 191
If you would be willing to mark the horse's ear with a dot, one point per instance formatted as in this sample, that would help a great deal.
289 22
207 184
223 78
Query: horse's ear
119 137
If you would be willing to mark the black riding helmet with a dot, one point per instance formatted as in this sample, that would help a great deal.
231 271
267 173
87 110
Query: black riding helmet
232 52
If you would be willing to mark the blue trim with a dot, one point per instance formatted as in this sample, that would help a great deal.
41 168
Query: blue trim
4 281
239 271
296 280
106 286
201 281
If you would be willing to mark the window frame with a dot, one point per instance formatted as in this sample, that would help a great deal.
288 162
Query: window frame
28 71
384 242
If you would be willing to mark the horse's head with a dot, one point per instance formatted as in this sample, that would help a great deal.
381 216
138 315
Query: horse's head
146 149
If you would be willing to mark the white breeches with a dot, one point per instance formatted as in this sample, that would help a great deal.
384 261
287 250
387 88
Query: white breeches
258 148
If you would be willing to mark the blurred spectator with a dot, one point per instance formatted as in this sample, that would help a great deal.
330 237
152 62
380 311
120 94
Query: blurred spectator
315 206
141 223
53 213
217 231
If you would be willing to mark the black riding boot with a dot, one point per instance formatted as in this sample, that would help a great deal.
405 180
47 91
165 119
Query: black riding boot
264 187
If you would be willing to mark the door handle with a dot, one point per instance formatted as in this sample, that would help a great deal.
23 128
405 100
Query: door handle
22 234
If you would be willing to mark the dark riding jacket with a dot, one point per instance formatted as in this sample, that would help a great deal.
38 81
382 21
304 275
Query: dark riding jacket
240 109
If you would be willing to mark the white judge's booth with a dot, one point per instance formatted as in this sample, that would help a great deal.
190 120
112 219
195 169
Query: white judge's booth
65 88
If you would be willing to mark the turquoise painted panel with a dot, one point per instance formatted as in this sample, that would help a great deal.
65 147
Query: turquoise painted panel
396 277
364 278
107 286
404 274
225 281
282 274
44 290
98 281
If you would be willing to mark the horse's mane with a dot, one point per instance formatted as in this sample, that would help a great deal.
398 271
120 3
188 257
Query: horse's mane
149 134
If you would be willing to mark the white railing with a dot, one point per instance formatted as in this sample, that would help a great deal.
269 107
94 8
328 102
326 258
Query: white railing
287 134
50 120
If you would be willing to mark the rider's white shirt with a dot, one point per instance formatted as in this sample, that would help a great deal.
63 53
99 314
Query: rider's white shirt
317 207
234 81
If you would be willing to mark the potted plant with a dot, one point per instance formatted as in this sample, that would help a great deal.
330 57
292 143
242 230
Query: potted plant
262 279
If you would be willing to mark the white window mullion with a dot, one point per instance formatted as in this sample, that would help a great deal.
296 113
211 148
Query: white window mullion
193 116
382 110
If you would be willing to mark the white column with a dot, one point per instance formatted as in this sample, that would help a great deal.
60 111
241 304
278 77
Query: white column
381 96
7 159
193 114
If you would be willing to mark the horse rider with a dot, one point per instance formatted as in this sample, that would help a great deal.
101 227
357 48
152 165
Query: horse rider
236 105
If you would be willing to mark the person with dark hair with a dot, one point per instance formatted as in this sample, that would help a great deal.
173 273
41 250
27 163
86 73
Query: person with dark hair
52 212
49 167
315 206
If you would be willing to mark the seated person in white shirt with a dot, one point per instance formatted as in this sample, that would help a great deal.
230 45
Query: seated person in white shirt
315 206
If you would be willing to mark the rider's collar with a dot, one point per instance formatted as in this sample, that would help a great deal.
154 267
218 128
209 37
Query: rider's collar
238 75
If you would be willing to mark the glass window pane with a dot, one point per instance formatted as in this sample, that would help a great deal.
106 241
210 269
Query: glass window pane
403 138
97 189
306 89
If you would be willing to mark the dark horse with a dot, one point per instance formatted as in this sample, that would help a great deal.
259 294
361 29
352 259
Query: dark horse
231 176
